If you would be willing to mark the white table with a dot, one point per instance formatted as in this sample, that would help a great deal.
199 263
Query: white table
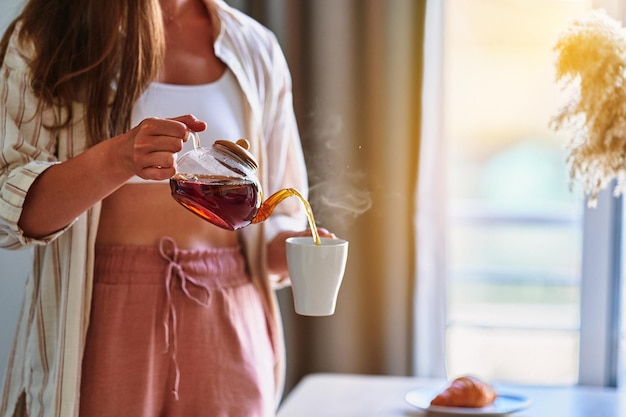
345 395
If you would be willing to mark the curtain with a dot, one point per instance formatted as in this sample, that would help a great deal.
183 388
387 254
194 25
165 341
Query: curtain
430 289
357 67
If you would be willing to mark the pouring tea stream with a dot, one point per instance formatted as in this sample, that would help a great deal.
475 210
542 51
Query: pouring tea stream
220 185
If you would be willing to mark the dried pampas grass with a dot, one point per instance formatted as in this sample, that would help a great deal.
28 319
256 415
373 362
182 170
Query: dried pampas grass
591 63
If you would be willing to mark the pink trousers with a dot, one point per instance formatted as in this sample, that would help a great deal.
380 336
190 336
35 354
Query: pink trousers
176 333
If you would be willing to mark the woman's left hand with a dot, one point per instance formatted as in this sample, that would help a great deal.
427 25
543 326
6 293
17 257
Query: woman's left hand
277 249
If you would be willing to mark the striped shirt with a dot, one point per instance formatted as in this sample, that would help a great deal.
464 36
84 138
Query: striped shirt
44 369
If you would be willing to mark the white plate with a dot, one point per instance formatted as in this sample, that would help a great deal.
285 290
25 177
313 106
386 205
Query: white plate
504 404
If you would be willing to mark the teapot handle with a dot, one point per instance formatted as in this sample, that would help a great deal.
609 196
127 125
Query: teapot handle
196 139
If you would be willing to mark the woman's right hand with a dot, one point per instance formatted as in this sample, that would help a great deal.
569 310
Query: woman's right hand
64 191
148 149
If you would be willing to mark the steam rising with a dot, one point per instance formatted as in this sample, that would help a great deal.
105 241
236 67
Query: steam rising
338 194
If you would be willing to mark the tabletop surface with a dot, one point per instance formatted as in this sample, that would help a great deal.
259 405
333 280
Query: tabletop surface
346 395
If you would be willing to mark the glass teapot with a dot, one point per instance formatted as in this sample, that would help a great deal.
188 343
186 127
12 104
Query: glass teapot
220 185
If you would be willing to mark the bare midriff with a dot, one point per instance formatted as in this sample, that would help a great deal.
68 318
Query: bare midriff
141 214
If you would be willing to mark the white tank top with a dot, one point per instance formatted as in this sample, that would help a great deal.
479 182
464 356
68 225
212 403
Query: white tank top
219 104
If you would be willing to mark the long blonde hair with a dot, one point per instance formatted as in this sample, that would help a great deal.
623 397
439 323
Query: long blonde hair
99 53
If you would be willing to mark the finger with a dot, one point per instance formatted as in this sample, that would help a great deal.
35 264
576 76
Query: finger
325 232
162 159
157 173
163 144
158 160
191 122
155 126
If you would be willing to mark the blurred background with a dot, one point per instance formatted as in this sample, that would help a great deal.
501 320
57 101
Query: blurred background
426 130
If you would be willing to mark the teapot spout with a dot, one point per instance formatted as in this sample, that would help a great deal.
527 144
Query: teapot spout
268 206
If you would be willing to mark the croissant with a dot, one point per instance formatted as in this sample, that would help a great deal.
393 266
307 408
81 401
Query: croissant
466 391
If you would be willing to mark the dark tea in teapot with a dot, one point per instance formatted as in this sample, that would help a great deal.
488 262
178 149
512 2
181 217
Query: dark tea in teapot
230 203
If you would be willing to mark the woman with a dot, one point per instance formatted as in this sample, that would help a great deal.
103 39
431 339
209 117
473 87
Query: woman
135 305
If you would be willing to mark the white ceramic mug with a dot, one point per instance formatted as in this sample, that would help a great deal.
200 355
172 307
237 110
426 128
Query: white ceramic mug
316 273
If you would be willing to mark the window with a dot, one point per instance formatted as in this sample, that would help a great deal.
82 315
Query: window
518 240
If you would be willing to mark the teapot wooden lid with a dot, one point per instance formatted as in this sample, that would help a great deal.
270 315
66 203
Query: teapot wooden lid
240 150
